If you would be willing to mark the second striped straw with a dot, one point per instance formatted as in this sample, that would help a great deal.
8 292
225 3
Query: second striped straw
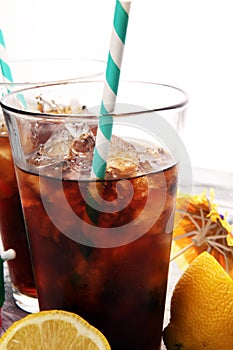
113 71
5 68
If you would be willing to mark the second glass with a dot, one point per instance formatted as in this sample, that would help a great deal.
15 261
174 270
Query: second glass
100 247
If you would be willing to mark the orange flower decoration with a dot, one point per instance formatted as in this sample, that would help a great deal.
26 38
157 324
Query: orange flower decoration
199 227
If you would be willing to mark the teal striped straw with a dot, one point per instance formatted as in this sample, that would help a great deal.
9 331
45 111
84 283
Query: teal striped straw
7 77
113 70
5 68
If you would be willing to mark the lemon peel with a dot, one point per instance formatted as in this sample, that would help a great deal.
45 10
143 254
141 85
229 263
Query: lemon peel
201 308
53 329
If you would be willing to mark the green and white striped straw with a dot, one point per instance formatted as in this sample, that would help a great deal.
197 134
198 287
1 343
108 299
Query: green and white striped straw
5 68
6 74
113 70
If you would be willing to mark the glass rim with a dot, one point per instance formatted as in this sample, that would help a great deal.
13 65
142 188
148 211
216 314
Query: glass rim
52 116
53 81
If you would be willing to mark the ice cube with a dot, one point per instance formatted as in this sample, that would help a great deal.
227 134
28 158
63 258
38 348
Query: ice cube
123 159
84 145
34 134
47 105
53 149
69 147
59 143
81 154
76 129
127 160
76 106
154 158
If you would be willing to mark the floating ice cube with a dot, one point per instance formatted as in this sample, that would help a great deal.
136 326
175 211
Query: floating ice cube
59 143
50 105
84 145
154 158
76 106
76 129
121 148
122 158
70 147
127 159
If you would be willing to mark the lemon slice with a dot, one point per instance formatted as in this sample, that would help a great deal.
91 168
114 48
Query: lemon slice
53 330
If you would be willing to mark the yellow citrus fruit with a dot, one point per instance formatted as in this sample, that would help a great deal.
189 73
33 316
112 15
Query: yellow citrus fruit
201 308
53 329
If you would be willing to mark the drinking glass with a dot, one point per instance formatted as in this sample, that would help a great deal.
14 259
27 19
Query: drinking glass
101 246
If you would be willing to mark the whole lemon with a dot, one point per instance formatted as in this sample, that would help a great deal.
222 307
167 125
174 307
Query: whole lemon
201 308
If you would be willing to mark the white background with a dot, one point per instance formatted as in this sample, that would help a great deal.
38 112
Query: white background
187 43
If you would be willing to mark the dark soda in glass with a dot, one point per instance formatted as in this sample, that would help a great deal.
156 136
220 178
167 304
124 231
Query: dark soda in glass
120 290
12 226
